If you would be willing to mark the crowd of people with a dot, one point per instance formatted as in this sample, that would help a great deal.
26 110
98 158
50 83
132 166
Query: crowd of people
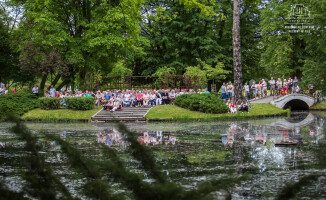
113 100
260 88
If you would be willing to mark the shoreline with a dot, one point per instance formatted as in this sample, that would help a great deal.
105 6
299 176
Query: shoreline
162 113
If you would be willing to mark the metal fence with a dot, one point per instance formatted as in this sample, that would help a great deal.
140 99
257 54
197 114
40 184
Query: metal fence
148 82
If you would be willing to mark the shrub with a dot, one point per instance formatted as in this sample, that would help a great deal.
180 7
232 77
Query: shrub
206 103
80 103
17 104
49 103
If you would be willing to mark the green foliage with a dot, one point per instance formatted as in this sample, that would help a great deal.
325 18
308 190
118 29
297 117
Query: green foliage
49 103
17 103
200 74
206 103
80 103
163 73
197 77
121 70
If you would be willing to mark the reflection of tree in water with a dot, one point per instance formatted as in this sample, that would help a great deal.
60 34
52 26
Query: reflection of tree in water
238 150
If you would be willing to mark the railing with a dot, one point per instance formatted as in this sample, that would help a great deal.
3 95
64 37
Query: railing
168 81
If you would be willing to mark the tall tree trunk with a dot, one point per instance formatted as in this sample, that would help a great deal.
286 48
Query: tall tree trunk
237 66
42 84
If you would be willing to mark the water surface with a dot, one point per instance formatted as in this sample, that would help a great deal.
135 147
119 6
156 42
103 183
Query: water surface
273 152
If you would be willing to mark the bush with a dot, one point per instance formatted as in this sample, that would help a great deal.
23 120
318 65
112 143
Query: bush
80 103
206 103
49 103
17 104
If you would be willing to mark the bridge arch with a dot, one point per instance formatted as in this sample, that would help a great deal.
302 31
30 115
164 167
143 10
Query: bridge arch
296 104
295 101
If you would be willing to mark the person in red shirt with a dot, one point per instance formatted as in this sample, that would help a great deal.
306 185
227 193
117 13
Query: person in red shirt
139 98
15 90
57 94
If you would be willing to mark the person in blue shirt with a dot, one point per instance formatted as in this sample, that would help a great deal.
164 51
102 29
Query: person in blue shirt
52 91
224 97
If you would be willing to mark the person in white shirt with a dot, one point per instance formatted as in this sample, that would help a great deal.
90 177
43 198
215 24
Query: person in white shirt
272 86
247 91
126 100
146 99
35 90
153 99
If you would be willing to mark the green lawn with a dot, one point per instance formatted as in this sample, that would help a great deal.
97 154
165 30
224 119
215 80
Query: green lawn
319 106
175 113
61 114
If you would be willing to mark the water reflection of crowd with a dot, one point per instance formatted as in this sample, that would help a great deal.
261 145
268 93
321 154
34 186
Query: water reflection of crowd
260 134
271 135
112 137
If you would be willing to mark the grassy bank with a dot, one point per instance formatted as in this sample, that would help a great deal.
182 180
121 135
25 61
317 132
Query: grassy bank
60 115
174 113
319 106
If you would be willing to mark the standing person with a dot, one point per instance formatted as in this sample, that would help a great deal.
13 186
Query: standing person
285 87
247 91
290 84
264 86
254 89
311 89
35 90
229 89
52 91
295 82
223 88
272 86
259 89
279 86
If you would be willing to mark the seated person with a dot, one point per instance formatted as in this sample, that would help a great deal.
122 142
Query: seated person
233 108
116 105
243 107
146 99
165 97
152 99
158 98
126 100
109 105
172 96
139 99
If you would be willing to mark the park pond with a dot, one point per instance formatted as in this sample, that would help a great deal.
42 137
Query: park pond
273 153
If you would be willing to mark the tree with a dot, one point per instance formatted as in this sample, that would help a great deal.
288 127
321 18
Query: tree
237 52
91 35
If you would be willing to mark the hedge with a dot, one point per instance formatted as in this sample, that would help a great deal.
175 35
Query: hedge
80 103
17 103
49 103
206 103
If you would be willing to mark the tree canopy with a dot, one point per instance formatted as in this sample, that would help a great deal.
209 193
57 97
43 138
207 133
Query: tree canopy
77 42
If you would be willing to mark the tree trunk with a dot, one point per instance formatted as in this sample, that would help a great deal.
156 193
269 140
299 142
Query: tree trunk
56 79
237 66
42 84
65 82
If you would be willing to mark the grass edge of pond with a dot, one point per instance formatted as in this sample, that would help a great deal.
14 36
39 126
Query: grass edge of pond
175 113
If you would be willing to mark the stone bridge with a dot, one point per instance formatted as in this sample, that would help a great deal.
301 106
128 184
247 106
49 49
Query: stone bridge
295 101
